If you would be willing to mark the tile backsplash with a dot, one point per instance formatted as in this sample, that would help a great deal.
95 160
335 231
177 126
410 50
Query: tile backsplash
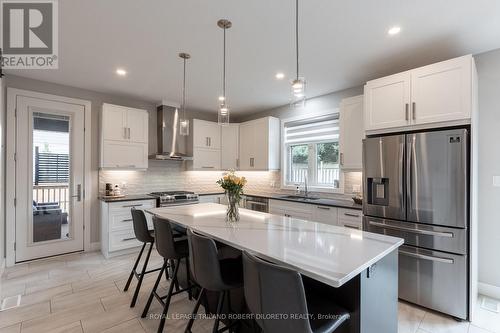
171 175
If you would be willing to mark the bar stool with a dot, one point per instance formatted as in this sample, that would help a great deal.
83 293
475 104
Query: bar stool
213 274
173 251
143 235
271 289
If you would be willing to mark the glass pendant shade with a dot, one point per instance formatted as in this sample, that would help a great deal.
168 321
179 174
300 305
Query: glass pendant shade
184 126
184 121
223 114
298 93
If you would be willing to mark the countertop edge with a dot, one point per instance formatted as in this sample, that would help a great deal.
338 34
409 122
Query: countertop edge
132 197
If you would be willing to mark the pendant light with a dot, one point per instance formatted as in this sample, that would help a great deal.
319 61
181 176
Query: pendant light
184 121
223 107
298 85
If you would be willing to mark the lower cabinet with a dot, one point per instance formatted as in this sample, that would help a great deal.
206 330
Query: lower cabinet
117 229
343 217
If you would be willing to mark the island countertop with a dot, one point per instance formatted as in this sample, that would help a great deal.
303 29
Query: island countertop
330 254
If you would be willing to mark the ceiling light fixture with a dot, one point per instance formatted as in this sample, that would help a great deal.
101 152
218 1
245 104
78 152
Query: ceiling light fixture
223 117
298 86
184 121
121 72
280 76
394 30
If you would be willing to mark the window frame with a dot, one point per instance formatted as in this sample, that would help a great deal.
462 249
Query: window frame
312 159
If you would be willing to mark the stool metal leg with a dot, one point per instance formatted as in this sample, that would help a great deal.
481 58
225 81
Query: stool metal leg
169 296
135 267
153 291
141 277
219 310
195 311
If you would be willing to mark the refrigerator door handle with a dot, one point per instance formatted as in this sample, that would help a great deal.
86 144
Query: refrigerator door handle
415 231
426 257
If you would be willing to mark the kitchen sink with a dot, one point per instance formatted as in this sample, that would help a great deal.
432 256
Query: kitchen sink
298 197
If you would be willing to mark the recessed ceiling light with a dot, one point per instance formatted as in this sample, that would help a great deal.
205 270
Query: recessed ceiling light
121 72
280 76
394 30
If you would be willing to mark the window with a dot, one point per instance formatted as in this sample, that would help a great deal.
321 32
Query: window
312 153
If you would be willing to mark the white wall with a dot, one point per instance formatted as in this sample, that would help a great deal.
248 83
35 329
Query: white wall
488 66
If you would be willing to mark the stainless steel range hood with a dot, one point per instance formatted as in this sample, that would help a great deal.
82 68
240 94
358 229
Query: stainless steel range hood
171 145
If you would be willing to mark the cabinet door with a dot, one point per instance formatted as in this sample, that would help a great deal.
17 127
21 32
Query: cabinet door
387 102
114 119
442 91
137 123
206 134
260 153
206 159
325 214
119 154
247 146
351 133
230 138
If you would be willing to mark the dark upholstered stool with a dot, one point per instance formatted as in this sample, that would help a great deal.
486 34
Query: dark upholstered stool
174 251
272 289
212 274
143 235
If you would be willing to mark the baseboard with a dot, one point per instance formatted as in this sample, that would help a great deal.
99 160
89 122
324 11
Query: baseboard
489 290
94 247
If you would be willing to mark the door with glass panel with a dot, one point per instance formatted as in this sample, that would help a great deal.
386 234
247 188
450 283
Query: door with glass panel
49 178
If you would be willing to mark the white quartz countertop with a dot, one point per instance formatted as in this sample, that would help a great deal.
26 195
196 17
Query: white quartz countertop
330 254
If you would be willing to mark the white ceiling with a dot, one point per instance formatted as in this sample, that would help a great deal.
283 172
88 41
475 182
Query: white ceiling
343 44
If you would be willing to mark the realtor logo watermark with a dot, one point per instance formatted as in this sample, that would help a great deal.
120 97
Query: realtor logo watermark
29 35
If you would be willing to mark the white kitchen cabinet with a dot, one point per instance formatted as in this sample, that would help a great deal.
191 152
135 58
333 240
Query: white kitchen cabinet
438 94
324 214
211 198
206 159
260 144
117 229
387 102
351 133
206 134
350 218
230 146
442 92
305 211
124 137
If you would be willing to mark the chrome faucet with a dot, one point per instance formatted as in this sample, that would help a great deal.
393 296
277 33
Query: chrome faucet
306 192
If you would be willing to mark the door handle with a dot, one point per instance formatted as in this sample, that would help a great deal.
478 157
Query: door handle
124 132
414 110
129 206
252 161
351 226
321 207
208 167
415 231
128 239
351 215
127 220
78 194
426 257
407 111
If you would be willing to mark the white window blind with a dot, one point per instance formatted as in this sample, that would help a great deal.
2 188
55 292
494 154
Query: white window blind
318 129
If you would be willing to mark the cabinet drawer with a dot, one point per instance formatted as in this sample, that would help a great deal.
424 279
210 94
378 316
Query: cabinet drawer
120 216
121 240
125 206
350 218
325 214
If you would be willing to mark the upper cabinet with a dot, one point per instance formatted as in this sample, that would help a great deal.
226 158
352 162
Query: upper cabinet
124 137
437 93
230 146
206 134
351 133
260 144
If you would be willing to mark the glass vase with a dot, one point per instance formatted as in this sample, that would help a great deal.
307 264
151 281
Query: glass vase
233 203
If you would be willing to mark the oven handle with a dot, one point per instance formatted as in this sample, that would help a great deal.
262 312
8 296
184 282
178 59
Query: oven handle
415 231
426 257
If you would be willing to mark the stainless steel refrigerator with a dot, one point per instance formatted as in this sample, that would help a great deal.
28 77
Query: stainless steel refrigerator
416 187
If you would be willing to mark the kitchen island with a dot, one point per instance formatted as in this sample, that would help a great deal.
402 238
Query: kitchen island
359 269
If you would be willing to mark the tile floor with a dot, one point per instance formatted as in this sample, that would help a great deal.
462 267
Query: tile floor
83 293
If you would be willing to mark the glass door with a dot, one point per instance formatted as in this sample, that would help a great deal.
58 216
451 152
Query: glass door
49 178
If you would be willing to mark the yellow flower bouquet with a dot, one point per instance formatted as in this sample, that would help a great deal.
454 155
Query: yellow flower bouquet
233 187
